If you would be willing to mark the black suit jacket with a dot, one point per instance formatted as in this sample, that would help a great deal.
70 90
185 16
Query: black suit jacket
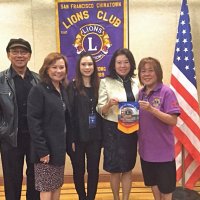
48 122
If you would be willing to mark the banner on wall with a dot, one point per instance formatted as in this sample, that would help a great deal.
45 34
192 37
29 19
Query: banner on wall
99 27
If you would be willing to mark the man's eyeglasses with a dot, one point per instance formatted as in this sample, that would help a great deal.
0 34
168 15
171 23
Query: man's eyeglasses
17 52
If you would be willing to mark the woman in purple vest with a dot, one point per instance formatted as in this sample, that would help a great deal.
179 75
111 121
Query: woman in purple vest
158 114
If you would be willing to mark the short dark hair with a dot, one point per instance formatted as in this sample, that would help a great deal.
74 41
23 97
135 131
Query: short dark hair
155 64
129 55
13 43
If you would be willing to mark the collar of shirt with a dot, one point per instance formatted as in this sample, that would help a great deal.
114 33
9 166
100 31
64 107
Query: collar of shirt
15 74
144 96
158 87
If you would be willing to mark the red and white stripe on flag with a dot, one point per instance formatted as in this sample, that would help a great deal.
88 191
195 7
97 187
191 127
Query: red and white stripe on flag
183 82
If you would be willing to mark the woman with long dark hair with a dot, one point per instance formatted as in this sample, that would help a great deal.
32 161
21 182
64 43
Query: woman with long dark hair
86 134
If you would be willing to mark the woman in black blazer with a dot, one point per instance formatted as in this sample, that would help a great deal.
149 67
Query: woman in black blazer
86 134
48 116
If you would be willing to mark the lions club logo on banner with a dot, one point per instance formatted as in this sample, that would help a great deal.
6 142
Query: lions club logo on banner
94 39
98 27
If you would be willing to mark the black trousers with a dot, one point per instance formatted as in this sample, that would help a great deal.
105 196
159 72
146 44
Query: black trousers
86 152
13 163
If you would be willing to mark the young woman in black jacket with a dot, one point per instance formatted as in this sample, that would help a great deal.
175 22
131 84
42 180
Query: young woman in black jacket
86 137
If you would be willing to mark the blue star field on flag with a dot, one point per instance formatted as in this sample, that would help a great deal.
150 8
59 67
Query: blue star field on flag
183 57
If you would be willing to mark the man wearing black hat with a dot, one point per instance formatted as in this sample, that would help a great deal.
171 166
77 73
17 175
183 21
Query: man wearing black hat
15 84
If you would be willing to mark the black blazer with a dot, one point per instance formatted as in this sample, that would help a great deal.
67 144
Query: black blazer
47 121
79 105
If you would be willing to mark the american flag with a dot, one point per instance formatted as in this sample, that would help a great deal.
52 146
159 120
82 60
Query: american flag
183 82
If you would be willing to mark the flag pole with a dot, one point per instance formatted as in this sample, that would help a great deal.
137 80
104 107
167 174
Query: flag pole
183 166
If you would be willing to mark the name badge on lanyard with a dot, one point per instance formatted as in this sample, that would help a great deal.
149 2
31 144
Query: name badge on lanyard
92 120
92 116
